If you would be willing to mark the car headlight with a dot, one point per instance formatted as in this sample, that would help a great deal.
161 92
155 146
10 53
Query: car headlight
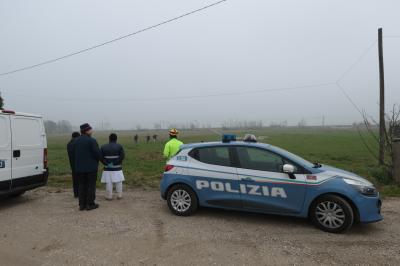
362 187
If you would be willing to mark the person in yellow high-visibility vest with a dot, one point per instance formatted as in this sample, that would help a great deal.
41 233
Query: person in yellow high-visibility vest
173 145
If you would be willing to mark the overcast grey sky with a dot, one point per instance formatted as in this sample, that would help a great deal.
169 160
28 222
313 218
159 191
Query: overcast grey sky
237 46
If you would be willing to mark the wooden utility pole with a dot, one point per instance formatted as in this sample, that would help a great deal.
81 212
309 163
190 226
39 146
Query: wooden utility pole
396 154
382 129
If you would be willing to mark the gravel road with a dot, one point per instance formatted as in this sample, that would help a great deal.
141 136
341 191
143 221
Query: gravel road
44 227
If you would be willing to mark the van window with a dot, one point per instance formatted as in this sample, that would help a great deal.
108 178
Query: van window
212 155
4 131
26 132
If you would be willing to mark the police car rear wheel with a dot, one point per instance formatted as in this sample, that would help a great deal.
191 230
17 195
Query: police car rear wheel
182 200
332 213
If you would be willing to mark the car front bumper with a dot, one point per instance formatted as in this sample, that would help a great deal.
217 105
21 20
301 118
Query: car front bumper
369 208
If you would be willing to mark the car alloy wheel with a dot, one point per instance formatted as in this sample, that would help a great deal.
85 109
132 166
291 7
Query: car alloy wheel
330 214
180 200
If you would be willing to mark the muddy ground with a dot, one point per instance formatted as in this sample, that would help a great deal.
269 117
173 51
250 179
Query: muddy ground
45 227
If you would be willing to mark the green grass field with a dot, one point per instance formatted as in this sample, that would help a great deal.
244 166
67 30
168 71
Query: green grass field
144 164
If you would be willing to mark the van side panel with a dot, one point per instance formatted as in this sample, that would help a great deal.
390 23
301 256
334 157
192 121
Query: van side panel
28 143
5 154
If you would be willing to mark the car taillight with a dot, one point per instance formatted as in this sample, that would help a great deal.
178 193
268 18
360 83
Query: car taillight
168 167
45 161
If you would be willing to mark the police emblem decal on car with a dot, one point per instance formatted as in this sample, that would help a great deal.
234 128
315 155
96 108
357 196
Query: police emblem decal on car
244 189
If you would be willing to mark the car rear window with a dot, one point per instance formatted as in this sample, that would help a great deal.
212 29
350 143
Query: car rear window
212 155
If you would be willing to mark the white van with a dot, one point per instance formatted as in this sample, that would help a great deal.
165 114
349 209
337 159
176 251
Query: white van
23 153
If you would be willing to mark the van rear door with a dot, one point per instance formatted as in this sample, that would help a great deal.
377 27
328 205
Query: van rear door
27 151
5 153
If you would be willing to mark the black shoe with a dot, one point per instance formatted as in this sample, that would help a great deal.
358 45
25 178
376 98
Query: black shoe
82 208
92 207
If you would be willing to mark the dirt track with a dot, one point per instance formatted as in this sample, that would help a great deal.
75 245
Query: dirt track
44 227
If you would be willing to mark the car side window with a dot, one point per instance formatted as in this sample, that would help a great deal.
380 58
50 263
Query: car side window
212 155
258 159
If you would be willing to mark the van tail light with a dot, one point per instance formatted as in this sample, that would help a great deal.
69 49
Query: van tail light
7 112
45 161
168 167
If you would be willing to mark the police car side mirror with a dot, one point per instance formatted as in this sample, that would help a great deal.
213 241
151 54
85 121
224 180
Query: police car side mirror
288 168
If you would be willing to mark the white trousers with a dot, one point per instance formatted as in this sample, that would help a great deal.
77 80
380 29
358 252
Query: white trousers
109 189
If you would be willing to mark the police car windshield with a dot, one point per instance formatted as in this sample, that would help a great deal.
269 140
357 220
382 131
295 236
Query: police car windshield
293 157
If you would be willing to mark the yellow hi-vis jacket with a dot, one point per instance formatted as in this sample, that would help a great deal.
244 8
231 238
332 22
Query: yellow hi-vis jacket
171 148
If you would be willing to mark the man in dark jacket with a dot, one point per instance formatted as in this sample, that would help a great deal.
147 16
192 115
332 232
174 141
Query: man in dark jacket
113 154
75 181
86 155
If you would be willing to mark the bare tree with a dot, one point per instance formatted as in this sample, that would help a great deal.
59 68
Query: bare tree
50 126
157 126
392 127
302 123
64 126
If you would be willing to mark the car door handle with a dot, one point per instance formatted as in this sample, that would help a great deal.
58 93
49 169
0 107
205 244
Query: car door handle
16 153
248 179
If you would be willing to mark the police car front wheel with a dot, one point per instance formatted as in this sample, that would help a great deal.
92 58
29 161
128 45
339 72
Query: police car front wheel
332 213
182 200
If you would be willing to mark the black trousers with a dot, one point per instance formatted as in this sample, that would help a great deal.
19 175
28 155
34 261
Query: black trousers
87 188
75 184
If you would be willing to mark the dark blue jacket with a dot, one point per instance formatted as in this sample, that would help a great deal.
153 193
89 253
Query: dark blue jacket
86 154
70 155
112 156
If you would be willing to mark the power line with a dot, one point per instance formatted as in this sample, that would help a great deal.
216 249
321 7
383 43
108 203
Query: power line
349 98
183 97
353 65
336 83
111 41
348 70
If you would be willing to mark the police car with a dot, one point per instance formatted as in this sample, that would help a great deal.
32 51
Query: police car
257 177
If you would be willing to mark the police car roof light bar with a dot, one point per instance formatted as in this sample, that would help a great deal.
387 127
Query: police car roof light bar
250 138
228 138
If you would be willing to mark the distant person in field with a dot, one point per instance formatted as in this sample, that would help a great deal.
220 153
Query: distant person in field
136 138
75 181
86 157
155 138
147 139
173 145
113 154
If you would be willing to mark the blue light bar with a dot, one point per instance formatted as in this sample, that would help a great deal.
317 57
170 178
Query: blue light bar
228 138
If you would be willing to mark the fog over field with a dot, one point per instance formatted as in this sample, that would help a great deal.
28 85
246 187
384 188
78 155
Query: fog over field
183 71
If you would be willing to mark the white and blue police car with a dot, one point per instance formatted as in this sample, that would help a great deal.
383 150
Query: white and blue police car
257 177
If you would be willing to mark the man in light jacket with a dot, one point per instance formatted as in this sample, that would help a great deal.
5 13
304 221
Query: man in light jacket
173 145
